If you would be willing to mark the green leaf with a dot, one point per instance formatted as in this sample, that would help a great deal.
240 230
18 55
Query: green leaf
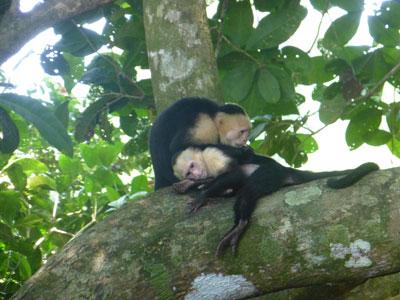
41 181
296 60
377 137
97 76
393 119
382 32
139 183
252 104
277 27
350 6
263 5
337 66
91 186
53 62
80 41
24 268
69 165
361 126
10 133
89 154
17 176
309 144
107 155
373 66
129 123
236 84
318 74
342 30
30 166
62 113
238 23
63 182
394 147
30 220
9 205
291 151
331 110
321 5
88 120
103 177
268 86
112 194
77 67
288 100
5 233
44 120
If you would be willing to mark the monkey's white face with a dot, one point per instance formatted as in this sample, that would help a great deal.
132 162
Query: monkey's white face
237 137
233 129
189 164
195 170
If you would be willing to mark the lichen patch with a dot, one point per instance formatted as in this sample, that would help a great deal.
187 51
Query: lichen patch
218 286
299 197
357 250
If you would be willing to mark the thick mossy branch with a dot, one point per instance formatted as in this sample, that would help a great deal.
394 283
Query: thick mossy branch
300 236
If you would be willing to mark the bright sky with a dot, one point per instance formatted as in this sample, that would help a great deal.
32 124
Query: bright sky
333 152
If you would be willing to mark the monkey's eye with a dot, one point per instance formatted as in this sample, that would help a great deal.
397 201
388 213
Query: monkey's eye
191 166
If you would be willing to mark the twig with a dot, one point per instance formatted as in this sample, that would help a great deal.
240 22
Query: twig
359 102
221 26
117 69
242 51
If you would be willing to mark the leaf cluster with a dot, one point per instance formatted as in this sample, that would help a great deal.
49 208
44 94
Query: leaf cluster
260 74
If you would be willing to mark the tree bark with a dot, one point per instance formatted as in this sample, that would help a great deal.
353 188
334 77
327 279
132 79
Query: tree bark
17 28
304 236
180 51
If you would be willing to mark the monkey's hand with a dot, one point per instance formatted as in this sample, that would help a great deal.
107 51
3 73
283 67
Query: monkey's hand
231 239
183 186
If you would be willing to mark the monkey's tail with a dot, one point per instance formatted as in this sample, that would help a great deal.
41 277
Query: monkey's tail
353 176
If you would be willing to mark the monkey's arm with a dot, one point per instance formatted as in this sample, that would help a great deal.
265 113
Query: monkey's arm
229 180
185 185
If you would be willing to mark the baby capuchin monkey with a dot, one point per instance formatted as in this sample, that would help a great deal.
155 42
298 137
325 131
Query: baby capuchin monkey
249 176
193 121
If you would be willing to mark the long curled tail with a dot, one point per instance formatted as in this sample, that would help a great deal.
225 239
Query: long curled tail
353 177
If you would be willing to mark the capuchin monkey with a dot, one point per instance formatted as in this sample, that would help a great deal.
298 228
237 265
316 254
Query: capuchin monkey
193 121
249 176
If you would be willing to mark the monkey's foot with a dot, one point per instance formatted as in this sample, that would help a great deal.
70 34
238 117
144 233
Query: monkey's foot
231 238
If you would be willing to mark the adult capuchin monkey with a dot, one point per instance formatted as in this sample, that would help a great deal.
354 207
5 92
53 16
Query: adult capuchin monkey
193 121
249 176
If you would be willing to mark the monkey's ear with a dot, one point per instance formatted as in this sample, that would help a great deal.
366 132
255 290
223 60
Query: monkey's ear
219 120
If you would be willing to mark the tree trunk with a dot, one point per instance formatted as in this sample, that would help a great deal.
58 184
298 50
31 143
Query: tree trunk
307 235
18 28
180 51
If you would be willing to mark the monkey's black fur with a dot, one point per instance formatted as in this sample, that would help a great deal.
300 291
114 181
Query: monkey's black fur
269 177
170 133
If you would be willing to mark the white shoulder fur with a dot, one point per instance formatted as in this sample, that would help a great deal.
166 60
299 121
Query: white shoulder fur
216 161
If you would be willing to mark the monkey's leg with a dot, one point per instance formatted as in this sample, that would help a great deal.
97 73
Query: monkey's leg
231 238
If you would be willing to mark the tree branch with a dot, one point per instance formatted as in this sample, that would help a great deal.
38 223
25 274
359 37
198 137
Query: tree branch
17 28
301 236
